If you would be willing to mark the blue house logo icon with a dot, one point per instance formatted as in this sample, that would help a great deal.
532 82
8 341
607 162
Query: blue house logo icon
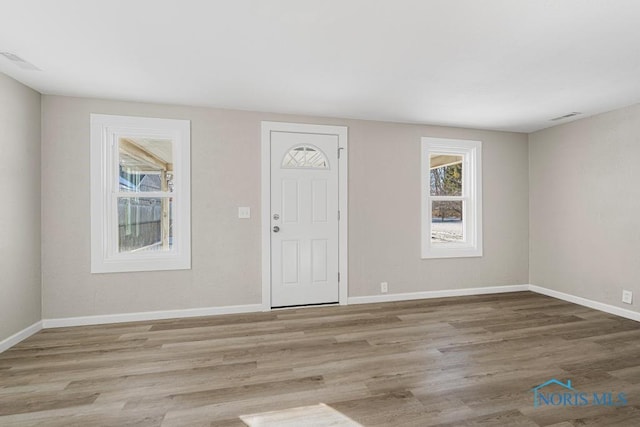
537 393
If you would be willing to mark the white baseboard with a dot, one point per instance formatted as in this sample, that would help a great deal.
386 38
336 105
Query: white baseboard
250 308
149 315
607 308
20 336
437 294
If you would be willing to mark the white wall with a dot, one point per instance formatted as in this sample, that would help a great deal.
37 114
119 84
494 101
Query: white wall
384 207
20 290
585 207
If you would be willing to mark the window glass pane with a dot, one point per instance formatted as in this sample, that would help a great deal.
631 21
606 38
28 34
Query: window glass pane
446 222
305 156
145 224
145 164
445 173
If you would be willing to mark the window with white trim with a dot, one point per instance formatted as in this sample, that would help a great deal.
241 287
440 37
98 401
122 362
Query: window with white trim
140 194
451 198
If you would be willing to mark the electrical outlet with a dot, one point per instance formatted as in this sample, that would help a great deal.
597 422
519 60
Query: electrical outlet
627 297
244 212
384 287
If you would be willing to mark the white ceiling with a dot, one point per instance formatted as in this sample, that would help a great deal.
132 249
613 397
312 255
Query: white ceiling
492 64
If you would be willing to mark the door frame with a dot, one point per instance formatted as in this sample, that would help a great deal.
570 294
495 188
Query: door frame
343 257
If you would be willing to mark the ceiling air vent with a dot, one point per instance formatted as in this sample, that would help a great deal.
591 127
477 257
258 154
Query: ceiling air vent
566 116
25 65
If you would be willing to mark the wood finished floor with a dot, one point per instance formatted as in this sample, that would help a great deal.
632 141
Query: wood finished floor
464 361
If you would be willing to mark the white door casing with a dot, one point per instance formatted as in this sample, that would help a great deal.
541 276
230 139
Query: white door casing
304 215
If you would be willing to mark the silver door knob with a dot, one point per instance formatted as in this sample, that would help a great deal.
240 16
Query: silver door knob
276 229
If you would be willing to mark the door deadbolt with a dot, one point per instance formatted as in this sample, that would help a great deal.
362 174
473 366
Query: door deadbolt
276 217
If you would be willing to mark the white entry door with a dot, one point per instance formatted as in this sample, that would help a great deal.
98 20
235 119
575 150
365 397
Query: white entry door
304 218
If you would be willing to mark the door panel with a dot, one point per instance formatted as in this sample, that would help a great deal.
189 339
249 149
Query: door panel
289 201
319 200
290 256
304 204
319 260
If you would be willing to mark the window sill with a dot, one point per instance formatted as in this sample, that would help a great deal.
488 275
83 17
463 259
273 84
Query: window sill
133 265
452 253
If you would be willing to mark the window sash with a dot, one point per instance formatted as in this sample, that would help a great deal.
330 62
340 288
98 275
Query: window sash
146 194
106 132
448 198
471 244
113 227
465 224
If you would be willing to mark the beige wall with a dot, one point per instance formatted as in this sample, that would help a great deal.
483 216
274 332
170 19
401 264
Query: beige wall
20 298
384 207
584 207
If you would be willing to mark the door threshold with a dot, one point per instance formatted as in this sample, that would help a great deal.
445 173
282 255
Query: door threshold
320 304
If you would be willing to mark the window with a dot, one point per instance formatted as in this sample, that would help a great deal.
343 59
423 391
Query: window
140 194
451 198
305 157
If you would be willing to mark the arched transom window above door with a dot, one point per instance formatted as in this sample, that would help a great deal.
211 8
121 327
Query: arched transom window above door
305 157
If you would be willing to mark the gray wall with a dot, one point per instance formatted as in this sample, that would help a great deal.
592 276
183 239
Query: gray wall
20 290
584 207
384 208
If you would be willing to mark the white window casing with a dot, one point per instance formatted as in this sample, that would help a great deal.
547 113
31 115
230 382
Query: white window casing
470 152
107 133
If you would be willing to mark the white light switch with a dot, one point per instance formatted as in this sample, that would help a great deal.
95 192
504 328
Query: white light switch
244 212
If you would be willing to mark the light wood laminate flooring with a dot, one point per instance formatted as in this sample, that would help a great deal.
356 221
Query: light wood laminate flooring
462 361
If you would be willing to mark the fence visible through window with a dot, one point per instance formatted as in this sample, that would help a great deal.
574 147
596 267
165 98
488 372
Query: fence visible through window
145 168
140 224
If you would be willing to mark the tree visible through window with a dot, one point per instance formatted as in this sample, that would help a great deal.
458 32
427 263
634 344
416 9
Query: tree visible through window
451 198
445 173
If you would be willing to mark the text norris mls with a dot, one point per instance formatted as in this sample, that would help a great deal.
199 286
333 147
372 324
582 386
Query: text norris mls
571 397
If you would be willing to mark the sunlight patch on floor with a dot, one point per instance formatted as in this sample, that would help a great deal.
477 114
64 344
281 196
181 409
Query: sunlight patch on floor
319 415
